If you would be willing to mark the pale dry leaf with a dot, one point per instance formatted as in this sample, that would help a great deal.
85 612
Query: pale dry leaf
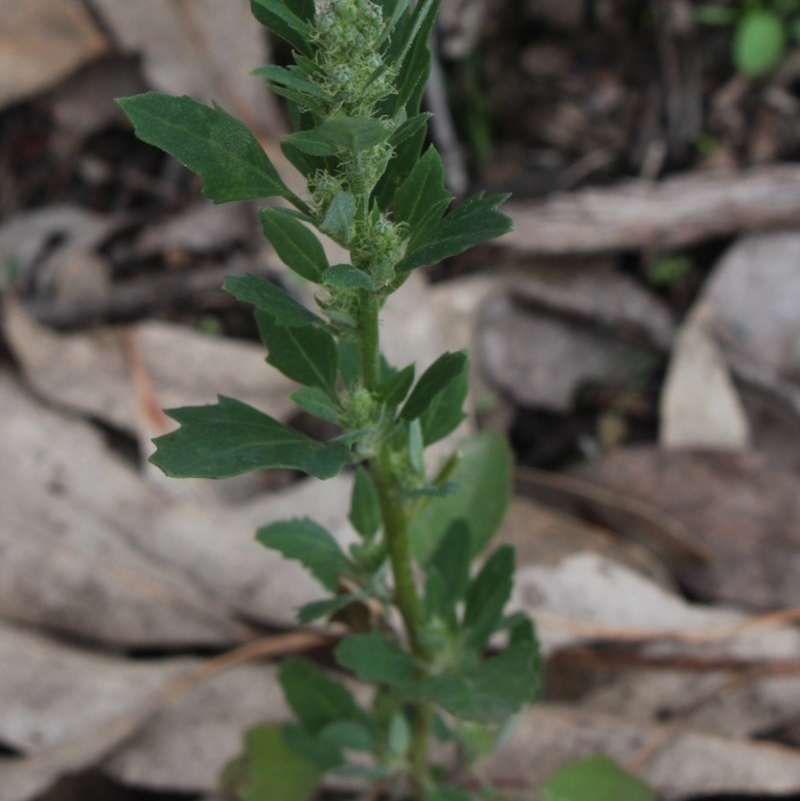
742 512
66 464
551 334
589 588
753 296
689 765
202 48
68 709
43 43
712 702
69 560
700 407
90 372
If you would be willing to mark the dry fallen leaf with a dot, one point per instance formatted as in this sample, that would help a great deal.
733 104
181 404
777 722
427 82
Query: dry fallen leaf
204 48
90 372
69 563
42 43
682 766
549 336
744 513
700 407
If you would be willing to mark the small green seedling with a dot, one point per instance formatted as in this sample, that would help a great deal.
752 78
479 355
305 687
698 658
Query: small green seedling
458 667
762 31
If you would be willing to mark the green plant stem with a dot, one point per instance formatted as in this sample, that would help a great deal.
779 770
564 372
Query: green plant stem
369 340
398 546
395 521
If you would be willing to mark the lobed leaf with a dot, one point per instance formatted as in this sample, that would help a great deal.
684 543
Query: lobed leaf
276 16
488 691
487 596
451 563
315 697
374 657
474 221
432 382
310 544
231 438
292 78
210 142
307 354
296 245
422 199
445 412
269 298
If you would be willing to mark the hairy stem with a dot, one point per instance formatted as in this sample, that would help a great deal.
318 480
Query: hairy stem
395 527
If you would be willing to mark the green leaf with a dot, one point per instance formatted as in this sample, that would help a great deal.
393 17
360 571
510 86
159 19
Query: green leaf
415 56
325 755
298 248
422 199
410 129
393 389
445 412
759 42
310 544
274 15
365 509
448 794
350 734
450 563
210 142
338 220
314 610
315 698
487 596
270 769
490 690
268 297
595 779
483 481
433 381
355 134
293 78
474 221
316 402
232 438
345 276
307 354
310 143
374 657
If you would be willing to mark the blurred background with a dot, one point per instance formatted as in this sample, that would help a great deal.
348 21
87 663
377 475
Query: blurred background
637 337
